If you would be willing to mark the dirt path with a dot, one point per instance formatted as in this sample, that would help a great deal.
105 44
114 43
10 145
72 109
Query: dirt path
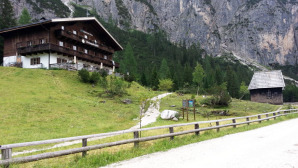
150 116
274 146
153 111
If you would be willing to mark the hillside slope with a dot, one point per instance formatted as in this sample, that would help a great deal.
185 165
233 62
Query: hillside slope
38 104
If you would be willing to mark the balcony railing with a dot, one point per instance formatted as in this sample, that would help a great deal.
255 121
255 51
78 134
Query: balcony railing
64 51
84 42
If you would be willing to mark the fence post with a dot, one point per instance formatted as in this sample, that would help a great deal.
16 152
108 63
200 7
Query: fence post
259 117
171 129
247 119
197 126
267 115
217 124
136 136
6 154
84 143
234 122
274 116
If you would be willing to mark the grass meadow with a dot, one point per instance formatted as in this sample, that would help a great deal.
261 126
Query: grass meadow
37 104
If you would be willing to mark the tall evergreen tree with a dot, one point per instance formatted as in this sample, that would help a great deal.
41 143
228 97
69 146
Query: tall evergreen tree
143 79
154 79
198 76
164 71
7 19
129 63
25 17
188 74
233 85
219 75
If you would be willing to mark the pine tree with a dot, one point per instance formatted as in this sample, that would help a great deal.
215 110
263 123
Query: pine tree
25 17
187 74
219 75
198 76
154 79
164 71
7 19
129 61
233 85
143 79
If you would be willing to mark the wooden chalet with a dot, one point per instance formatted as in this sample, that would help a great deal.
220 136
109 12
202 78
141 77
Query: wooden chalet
74 43
267 87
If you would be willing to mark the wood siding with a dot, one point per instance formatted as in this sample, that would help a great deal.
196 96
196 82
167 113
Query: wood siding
269 95
88 37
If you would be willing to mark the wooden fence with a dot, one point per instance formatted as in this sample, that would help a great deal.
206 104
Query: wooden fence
6 150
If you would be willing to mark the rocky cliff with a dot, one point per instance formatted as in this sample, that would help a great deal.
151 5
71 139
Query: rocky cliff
262 30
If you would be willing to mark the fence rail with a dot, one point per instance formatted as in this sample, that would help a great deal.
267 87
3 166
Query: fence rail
6 150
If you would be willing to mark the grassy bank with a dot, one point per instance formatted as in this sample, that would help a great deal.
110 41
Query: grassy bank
41 104
119 153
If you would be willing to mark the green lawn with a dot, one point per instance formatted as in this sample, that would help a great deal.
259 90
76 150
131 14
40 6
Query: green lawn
37 104
236 108
45 104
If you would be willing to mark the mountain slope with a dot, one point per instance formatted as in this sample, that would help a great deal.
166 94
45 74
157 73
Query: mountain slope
263 30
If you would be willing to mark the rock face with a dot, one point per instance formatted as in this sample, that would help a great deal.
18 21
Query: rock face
262 30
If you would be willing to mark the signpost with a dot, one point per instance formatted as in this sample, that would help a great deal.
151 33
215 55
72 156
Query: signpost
188 104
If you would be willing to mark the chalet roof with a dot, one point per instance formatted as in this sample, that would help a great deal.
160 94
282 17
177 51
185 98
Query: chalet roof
267 79
57 20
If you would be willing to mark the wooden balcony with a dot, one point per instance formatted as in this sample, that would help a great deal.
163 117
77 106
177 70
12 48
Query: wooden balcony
78 40
46 48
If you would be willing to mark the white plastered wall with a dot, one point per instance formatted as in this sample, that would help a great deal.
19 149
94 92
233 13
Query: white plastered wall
8 60
44 61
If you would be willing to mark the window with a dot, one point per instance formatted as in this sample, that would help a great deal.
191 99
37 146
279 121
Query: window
61 60
35 61
42 41
29 43
105 57
62 27
85 51
74 32
74 47
61 43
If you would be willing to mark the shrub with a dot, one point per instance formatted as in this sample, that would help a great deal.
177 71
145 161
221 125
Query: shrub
94 78
84 75
117 86
103 73
220 97
165 84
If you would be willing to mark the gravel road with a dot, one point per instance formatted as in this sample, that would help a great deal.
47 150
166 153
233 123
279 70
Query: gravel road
274 146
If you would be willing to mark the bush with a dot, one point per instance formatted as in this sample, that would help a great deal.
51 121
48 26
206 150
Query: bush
220 97
117 86
165 84
103 73
84 75
94 78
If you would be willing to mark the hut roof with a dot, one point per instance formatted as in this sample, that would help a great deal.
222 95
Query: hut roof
268 79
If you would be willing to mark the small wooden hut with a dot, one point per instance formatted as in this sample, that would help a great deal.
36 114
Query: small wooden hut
267 87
